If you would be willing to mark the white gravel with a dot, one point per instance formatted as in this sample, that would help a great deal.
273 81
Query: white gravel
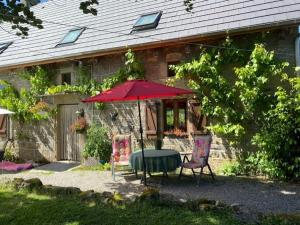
250 194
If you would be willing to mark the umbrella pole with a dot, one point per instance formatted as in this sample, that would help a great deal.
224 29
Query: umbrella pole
142 145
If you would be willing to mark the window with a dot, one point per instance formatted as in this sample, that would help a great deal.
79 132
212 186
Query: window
3 124
175 115
147 21
66 78
171 73
71 36
4 46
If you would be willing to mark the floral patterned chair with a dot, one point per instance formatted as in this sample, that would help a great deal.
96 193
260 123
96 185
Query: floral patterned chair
199 157
121 152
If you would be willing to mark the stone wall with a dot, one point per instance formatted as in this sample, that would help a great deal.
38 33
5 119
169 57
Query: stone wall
36 141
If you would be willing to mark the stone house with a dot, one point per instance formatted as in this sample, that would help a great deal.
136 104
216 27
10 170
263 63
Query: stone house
161 33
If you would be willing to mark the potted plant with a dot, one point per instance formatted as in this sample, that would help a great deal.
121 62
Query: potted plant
79 125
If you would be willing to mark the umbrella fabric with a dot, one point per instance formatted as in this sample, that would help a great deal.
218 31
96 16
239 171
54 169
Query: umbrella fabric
137 90
5 112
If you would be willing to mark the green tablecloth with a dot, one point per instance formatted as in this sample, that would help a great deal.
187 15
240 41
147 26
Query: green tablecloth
165 160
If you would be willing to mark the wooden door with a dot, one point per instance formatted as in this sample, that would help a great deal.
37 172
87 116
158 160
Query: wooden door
69 141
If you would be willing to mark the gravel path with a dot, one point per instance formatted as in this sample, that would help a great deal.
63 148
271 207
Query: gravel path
250 194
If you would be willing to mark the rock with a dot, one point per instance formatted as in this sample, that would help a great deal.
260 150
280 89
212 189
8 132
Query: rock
182 200
107 194
70 190
235 206
117 199
206 207
220 204
206 201
17 182
61 190
167 197
87 195
30 184
34 182
150 194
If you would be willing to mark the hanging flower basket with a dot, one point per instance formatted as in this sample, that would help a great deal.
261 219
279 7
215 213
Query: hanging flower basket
79 126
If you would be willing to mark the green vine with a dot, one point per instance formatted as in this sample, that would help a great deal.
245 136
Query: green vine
22 102
26 103
131 70
252 103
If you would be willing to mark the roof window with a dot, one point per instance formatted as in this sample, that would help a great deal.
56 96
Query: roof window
147 21
4 46
71 36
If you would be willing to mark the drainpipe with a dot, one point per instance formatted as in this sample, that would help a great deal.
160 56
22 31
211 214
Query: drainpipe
297 51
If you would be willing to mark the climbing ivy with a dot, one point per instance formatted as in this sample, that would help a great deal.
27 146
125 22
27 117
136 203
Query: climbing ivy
26 102
131 70
21 103
252 103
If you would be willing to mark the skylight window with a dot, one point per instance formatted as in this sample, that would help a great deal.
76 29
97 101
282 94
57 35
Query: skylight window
4 46
71 36
147 21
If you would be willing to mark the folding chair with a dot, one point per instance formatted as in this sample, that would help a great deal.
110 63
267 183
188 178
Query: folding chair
200 156
121 152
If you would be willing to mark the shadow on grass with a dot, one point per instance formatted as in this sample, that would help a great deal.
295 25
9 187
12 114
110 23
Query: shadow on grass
25 208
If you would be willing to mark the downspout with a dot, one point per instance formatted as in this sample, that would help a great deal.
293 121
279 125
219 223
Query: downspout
297 52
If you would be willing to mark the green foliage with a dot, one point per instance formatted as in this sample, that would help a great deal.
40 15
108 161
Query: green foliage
64 88
84 85
252 102
132 69
9 155
19 15
39 79
21 102
98 143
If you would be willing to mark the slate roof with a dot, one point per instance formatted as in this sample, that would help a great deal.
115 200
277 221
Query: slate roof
111 28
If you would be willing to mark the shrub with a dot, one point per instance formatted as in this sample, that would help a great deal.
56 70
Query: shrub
9 155
98 143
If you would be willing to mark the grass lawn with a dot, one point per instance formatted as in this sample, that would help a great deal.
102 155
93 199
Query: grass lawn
28 208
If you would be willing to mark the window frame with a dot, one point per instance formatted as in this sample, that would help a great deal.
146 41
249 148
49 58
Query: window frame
147 26
6 45
175 103
61 78
61 43
172 63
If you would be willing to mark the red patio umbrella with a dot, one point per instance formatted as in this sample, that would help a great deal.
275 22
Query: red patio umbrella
133 90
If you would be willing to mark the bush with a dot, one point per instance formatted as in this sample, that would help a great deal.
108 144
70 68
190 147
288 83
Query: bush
98 143
9 155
